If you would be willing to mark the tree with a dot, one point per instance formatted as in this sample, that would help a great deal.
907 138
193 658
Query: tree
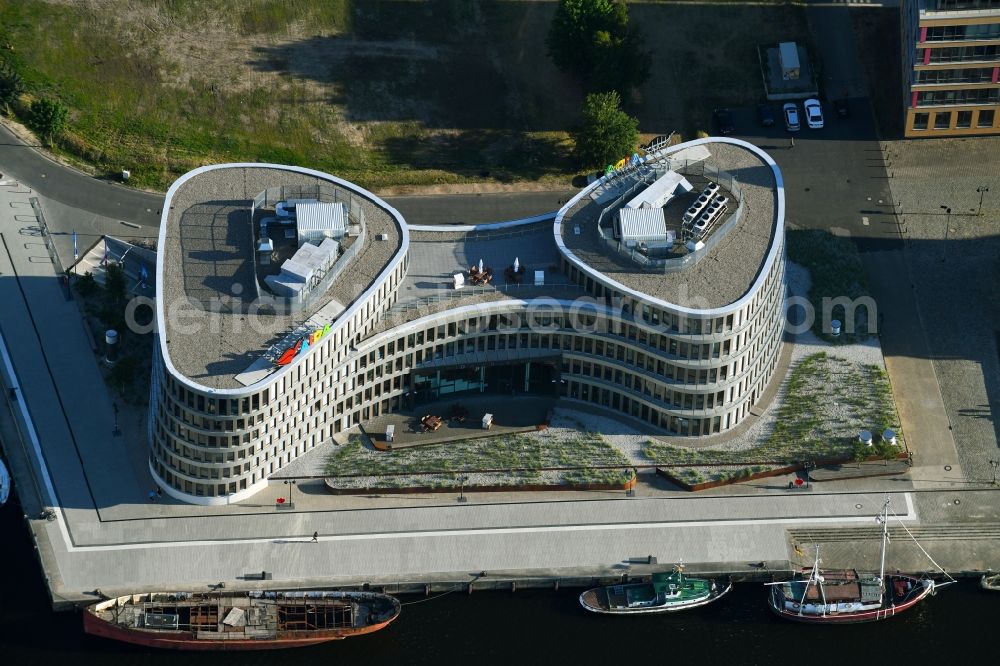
11 86
115 284
607 133
592 40
86 285
47 117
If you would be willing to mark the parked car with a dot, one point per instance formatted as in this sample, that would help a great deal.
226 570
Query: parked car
765 114
842 107
791 117
723 121
814 113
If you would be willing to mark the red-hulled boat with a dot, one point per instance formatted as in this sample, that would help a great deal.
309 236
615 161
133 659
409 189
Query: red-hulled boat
239 620
815 596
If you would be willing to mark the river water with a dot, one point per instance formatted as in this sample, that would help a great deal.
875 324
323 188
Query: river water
527 627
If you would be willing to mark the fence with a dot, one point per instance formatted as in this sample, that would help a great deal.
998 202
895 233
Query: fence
321 193
137 262
402 310
657 169
325 194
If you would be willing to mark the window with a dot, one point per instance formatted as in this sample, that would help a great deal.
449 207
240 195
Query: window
986 118
942 120
971 96
972 75
947 33
967 4
964 120
964 53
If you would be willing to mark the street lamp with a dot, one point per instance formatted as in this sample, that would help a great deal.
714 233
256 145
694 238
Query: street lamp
117 431
461 490
947 223
994 464
982 189
291 484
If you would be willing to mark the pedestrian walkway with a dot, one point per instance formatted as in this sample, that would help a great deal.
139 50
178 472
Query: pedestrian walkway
61 383
911 370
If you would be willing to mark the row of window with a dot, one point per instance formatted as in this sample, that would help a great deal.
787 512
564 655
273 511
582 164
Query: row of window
949 5
954 33
970 96
984 119
971 75
960 54
182 442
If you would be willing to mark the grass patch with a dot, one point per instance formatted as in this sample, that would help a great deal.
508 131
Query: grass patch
827 401
835 268
380 92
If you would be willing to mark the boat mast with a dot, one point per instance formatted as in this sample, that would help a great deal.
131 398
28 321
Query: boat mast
885 538
814 577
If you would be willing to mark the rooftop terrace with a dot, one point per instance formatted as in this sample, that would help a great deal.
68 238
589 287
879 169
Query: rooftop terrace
436 256
214 329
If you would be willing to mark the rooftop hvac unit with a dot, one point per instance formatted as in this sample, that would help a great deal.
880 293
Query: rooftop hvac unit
383 237
788 56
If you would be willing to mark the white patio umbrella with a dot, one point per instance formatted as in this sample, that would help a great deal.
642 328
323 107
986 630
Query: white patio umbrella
480 265
517 265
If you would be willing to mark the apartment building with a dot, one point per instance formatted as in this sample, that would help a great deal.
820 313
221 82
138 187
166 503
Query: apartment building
951 63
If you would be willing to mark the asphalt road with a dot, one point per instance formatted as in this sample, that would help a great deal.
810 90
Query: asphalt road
74 188
835 177
103 198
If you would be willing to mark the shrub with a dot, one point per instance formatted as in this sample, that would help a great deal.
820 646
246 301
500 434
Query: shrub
86 285
10 86
47 118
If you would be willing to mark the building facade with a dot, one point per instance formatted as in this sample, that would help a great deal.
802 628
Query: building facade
951 67
690 370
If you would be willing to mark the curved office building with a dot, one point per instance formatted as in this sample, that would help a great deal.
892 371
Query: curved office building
292 305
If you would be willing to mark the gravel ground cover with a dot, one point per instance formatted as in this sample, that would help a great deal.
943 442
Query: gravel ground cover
730 268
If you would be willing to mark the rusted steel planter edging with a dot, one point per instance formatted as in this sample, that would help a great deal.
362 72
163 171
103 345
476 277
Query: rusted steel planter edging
780 471
535 487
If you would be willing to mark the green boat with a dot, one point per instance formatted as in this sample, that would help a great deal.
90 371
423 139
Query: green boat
665 593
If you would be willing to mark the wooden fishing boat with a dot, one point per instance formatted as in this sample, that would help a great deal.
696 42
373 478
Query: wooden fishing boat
239 620
990 582
818 596
665 593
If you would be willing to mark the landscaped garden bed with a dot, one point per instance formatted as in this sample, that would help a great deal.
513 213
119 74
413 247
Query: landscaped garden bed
826 401
549 459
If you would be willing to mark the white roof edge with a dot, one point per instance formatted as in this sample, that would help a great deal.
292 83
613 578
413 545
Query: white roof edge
652 300
404 236
581 304
544 217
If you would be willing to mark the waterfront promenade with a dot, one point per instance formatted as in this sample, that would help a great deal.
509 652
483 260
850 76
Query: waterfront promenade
106 534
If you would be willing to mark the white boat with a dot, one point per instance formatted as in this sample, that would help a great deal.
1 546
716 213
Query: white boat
4 484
